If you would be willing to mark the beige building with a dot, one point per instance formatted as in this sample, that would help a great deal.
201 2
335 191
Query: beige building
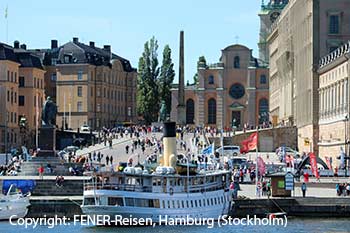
22 89
305 31
232 92
93 85
334 102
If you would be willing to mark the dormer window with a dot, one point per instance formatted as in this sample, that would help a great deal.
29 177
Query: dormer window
66 58
211 79
236 62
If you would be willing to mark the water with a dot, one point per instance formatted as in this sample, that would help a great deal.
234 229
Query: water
332 225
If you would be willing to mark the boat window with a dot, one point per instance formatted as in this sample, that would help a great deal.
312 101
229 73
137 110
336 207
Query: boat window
89 201
203 202
195 203
211 201
173 204
178 204
169 204
200 203
222 199
129 201
182 204
115 201
191 203
208 202
187 204
156 203
163 204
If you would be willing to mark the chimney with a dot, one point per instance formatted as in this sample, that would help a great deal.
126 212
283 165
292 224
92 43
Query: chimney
54 44
16 44
75 39
23 46
107 48
92 44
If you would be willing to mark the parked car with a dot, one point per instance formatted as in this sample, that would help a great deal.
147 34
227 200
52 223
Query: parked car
229 150
85 128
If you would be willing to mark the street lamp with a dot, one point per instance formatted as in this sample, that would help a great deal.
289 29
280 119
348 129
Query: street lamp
346 144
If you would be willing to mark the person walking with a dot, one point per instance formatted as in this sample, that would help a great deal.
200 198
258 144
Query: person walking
303 189
111 160
41 171
107 160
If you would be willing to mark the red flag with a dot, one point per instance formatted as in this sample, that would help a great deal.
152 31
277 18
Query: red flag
250 143
313 163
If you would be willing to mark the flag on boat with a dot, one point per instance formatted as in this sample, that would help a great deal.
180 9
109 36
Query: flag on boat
208 150
250 143
313 163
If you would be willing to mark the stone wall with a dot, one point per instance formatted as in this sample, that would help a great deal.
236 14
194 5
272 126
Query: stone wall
269 139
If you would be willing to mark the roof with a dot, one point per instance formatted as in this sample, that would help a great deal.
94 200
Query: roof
236 46
78 52
26 59
7 53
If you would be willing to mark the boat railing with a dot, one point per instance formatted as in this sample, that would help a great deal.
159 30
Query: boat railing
121 187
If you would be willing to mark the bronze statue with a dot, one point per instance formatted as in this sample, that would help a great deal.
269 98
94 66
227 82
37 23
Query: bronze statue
49 112
162 112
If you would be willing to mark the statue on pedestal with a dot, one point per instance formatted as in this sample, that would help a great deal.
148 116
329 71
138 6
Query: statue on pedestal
49 112
163 116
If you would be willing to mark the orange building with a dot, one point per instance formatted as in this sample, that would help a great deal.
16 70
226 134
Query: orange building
232 92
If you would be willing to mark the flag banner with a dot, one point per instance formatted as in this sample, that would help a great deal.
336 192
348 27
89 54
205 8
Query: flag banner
208 150
313 163
250 143
329 163
261 166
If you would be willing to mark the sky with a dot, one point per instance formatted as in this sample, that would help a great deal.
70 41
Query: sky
209 26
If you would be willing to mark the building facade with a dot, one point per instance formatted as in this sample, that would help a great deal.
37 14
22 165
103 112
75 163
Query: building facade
22 92
334 102
91 85
233 92
268 15
296 42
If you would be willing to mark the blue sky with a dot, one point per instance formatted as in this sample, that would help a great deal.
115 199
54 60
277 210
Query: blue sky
126 25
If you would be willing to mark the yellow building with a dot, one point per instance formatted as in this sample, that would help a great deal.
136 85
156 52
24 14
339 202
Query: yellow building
94 86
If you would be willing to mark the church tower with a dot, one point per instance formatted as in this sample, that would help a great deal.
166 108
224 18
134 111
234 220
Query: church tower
268 14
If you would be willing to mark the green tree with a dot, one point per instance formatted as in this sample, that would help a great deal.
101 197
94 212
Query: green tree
147 83
166 78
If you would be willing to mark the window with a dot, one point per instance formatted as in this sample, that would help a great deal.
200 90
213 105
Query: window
92 91
21 100
8 96
115 201
98 92
80 75
66 58
263 79
212 111
53 61
237 91
98 108
34 82
263 111
211 79
21 81
334 24
8 75
80 91
53 77
79 106
332 48
15 97
34 101
236 62
15 77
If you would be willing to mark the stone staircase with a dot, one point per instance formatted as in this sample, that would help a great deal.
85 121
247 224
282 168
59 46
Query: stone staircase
30 168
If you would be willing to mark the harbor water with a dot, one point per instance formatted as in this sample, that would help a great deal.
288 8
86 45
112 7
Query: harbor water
313 225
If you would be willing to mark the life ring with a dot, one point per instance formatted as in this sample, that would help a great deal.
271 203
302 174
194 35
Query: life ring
171 191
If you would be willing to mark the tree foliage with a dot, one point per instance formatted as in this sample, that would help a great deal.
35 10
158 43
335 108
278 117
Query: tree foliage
166 78
147 84
154 83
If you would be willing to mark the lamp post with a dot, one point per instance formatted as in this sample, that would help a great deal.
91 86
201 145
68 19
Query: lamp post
346 144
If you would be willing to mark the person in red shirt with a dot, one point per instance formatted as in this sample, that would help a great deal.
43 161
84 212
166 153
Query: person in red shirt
306 177
41 171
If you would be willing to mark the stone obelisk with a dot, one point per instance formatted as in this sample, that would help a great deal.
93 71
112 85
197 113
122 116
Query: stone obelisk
181 108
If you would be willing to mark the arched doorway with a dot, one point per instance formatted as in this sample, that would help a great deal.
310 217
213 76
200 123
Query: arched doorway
190 111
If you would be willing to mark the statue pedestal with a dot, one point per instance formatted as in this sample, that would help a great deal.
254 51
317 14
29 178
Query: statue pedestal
47 141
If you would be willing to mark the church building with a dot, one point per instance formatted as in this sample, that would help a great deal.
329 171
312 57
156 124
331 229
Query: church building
230 93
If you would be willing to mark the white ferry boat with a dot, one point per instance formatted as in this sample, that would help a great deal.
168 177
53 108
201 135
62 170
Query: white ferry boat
134 192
